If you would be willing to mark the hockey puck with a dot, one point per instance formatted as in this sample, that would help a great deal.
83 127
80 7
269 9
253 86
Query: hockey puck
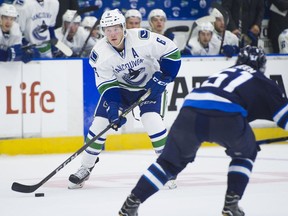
39 194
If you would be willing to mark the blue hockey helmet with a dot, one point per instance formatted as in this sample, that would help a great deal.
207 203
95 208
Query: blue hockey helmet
253 56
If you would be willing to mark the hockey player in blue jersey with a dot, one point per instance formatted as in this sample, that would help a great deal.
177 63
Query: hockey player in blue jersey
127 62
219 111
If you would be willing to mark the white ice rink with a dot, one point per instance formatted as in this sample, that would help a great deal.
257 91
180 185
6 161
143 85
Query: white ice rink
201 186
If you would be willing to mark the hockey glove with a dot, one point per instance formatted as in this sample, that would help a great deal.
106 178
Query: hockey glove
229 50
3 55
11 54
157 84
253 38
113 116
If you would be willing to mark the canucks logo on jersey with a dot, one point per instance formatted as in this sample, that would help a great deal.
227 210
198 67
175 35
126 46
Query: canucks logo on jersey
133 75
40 29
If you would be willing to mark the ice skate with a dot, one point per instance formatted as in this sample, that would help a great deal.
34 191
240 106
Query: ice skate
77 180
130 206
231 207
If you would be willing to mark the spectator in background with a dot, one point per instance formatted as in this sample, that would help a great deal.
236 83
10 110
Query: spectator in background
88 23
11 36
245 18
74 35
228 41
37 20
278 22
63 6
157 19
202 44
283 42
133 19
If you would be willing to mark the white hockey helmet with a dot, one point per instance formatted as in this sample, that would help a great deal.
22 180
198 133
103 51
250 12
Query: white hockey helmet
89 21
113 17
155 13
8 10
205 26
68 16
216 13
133 13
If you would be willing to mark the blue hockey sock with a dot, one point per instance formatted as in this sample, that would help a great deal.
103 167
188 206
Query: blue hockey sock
150 182
238 175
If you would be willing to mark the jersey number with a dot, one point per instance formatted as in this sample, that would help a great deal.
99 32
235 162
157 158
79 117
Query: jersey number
217 80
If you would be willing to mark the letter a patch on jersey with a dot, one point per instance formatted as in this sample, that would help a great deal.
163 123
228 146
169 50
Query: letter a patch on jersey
135 55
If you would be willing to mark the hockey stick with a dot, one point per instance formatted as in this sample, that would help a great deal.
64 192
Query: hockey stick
79 12
55 42
267 141
170 30
31 188
90 33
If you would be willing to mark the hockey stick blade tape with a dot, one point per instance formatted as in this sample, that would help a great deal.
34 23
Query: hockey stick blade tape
64 48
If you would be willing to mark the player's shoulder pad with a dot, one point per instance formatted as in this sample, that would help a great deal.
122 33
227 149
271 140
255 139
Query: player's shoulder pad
102 48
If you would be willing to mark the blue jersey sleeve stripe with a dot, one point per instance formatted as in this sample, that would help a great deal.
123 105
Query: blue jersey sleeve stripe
282 122
280 113
215 105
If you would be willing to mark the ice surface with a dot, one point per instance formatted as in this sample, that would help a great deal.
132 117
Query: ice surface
201 186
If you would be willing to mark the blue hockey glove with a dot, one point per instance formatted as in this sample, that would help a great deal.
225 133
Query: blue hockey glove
3 55
157 84
113 116
253 38
11 54
228 50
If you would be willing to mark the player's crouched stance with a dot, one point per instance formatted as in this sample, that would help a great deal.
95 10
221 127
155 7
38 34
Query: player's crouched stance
128 62
224 104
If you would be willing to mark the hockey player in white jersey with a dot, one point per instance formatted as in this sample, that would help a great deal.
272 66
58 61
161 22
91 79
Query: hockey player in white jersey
11 36
133 19
202 43
127 62
230 44
88 23
37 20
283 42
76 35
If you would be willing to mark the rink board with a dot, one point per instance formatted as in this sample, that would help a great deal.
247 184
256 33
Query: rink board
114 142
55 114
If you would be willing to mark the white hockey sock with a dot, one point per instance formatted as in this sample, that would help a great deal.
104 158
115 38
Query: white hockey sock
88 160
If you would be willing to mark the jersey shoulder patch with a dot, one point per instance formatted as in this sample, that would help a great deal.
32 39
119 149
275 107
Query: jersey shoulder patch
93 56
144 34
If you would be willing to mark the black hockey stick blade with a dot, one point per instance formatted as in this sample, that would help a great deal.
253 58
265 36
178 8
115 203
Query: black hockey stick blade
273 140
182 28
31 188
25 188
81 11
